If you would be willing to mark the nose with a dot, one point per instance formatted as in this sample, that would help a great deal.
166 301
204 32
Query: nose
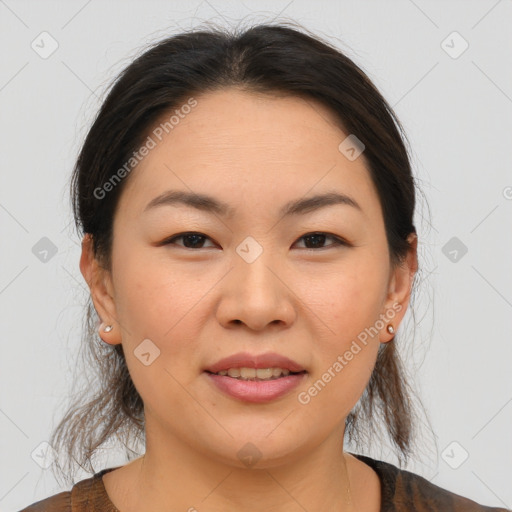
257 295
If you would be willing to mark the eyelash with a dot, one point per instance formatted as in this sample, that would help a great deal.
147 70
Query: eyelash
337 240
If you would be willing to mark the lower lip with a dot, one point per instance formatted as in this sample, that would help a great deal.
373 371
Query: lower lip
256 391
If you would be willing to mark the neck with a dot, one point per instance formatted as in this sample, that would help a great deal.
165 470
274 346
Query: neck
190 480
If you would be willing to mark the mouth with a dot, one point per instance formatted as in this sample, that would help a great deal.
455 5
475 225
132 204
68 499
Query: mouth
267 364
255 390
256 374
255 378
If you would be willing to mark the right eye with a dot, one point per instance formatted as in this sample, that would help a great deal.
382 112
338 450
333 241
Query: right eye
191 240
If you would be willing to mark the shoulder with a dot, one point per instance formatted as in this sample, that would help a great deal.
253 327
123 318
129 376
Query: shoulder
87 495
403 490
57 503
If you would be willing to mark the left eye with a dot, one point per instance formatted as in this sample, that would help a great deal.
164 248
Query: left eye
315 240
319 238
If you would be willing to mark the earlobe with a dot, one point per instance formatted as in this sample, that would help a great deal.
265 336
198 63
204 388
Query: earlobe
103 333
391 331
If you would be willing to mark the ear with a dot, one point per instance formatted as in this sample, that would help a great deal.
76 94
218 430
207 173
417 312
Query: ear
399 290
100 285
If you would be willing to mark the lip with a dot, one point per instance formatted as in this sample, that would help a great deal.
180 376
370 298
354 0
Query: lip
246 360
256 391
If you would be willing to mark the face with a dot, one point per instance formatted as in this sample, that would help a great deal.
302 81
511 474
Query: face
314 285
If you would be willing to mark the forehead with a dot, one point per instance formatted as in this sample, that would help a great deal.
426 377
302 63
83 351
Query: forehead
233 143
242 117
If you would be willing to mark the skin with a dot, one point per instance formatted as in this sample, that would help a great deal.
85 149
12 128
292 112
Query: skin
198 305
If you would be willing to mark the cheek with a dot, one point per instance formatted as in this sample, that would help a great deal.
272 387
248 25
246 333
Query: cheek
163 307
168 307
153 298
351 299
350 304
345 358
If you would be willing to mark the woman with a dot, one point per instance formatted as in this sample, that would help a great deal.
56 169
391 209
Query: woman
247 207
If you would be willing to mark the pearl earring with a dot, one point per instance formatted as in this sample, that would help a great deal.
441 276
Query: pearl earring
108 328
390 329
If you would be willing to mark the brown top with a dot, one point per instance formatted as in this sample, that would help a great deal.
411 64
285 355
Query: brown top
401 491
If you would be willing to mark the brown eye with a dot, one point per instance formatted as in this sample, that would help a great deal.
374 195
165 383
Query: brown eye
190 240
317 240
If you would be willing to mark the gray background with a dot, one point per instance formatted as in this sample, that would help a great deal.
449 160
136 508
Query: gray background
456 110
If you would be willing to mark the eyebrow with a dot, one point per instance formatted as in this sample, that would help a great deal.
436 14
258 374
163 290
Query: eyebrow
210 204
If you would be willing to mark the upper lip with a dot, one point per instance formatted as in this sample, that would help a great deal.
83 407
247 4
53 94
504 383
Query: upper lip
246 360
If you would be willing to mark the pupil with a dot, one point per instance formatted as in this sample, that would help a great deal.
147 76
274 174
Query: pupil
322 239
196 239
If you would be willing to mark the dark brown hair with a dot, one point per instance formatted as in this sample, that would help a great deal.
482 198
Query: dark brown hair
270 59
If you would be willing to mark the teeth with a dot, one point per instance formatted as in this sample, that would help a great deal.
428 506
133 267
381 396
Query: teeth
255 374
264 373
